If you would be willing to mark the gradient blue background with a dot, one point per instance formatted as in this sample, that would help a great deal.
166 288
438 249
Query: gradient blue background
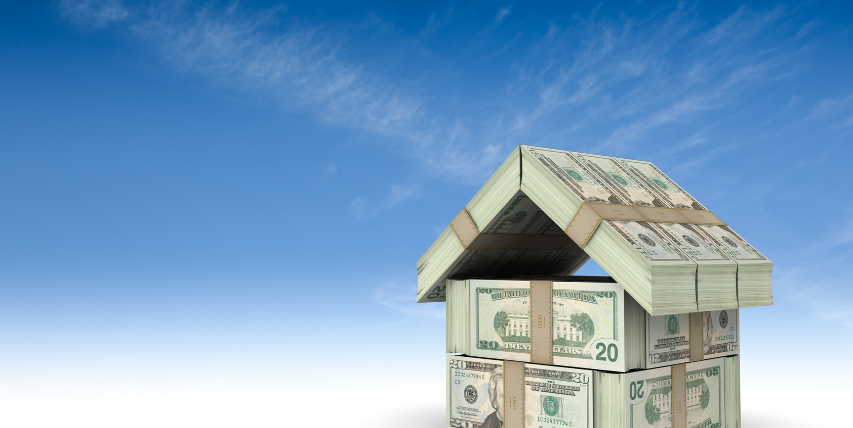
210 212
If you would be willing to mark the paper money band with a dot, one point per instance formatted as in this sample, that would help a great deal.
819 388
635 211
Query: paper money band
590 214
678 406
541 337
513 394
697 348
471 238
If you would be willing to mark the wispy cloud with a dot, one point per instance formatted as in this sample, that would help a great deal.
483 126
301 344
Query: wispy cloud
604 84
362 208
806 29
824 294
502 13
93 13
644 75
359 207
832 109
437 21
399 194
815 276
841 234
303 65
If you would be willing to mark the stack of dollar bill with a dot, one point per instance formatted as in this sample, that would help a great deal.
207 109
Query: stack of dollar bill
669 268
754 271
554 396
595 324
517 216
664 265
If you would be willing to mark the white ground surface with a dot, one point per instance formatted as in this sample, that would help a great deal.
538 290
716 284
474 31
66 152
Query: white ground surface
340 402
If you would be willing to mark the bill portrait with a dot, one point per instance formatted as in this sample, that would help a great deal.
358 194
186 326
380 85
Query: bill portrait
709 331
496 397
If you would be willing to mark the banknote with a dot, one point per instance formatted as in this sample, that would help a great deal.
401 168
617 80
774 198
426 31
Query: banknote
692 242
721 335
668 337
648 241
754 271
501 327
655 180
587 323
474 392
667 340
557 397
581 181
648 398
705 392
629 189
735 246
522 216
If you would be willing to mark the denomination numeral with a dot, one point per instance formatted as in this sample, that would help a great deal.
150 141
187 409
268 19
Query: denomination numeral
436 292
611 350
600 355
636 390
485 344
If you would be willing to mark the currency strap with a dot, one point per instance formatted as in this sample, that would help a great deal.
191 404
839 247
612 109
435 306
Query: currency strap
541 336
471 238
590 215
697 349
678 406
513 394
579 230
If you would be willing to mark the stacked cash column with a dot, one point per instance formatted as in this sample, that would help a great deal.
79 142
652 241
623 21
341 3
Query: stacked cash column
607 362
655 344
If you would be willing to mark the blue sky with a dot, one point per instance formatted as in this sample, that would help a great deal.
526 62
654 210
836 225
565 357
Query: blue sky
197 196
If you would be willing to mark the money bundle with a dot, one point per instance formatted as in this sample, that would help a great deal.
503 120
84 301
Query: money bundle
591 323
521 241
544 212
701 394
655 344
487 393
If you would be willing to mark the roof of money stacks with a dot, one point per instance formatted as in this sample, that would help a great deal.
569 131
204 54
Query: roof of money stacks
545 212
